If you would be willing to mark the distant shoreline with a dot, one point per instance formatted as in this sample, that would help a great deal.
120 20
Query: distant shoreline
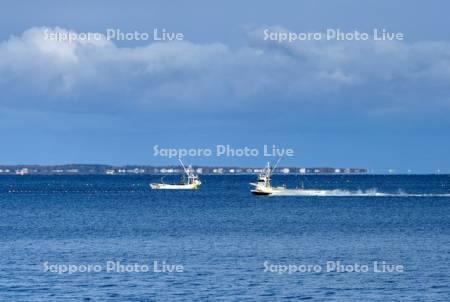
86 169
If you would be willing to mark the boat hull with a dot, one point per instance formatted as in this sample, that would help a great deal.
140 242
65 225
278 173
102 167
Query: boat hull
257 192
263 190
159 186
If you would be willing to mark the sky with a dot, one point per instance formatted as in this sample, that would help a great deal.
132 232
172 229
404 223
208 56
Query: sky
374 104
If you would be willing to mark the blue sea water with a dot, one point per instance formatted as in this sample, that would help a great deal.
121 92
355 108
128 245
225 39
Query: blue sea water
225 239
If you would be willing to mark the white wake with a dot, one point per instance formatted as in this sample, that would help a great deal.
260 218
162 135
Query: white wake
348 193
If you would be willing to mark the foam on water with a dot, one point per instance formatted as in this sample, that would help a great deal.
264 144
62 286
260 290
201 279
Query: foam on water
347 193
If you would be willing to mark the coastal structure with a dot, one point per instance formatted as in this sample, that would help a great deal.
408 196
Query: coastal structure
81 169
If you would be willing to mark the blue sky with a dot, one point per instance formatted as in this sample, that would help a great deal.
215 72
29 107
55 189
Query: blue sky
375 104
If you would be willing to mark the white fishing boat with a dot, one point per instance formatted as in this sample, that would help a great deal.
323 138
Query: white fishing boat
264 185
189 181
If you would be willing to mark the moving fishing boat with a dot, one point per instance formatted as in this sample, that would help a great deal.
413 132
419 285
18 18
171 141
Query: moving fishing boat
189 181
264 186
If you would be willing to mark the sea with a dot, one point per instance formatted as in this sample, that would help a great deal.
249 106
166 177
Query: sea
112 238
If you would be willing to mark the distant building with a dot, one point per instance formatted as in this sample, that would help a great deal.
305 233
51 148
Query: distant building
22 171
104 169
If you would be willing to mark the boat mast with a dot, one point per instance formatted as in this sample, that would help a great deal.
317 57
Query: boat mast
274 167
185 170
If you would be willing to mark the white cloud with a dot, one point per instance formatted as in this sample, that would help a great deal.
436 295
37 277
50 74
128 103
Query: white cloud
82 74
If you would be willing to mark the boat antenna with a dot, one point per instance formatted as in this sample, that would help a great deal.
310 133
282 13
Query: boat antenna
276 165
181 162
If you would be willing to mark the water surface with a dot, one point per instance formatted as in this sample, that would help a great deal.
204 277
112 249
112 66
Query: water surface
223 236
